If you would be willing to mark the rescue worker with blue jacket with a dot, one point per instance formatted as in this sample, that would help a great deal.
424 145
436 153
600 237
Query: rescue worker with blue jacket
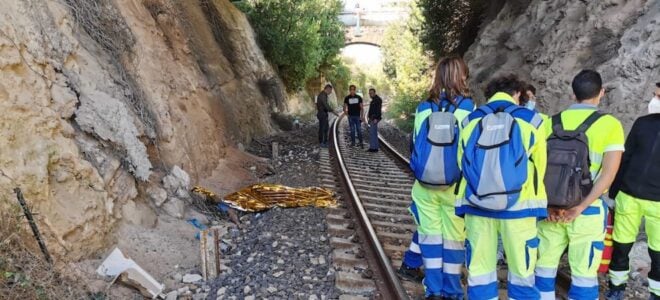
503 159
440 233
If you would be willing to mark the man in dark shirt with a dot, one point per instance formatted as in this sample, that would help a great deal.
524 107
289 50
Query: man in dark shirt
353 108
374 117
322 109
637 193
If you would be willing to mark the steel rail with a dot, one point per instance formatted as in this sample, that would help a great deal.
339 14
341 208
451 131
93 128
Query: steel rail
393 151
393 283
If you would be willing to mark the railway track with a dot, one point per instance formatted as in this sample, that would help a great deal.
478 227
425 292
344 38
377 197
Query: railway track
373 222
378 188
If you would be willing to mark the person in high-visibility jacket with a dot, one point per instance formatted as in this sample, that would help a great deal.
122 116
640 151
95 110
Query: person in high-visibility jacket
583 226
440 234
516 223
530 101
637 193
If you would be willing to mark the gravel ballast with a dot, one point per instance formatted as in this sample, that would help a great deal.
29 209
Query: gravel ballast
280 253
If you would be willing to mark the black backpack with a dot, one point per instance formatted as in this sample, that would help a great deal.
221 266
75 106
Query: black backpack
567 178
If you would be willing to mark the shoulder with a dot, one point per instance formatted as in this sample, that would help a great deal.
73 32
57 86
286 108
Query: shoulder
647 119
423 105
529 116
609 121
466 103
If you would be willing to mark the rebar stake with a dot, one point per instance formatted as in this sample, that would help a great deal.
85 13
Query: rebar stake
33 225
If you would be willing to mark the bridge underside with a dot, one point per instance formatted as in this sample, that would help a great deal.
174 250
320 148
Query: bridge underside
370 35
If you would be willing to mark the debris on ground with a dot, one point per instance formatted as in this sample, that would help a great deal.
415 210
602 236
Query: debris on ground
210 246
398 138
261 197
272 254
125 270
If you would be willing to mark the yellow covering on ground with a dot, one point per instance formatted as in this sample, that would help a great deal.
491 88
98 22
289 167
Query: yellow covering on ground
263 196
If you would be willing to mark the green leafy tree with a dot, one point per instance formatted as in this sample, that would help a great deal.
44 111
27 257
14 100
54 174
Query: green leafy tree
407 67
301 38
450 26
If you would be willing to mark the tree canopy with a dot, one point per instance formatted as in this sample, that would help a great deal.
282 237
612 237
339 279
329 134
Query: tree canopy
301 38
450 26
407 67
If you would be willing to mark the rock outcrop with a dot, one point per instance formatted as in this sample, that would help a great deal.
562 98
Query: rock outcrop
110 107
547 42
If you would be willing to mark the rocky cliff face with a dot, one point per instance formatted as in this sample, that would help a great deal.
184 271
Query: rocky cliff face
113 107
547 42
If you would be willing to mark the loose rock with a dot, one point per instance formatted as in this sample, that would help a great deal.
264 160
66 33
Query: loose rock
191 278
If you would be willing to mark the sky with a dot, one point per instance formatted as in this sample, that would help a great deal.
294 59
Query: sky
369 4
365 55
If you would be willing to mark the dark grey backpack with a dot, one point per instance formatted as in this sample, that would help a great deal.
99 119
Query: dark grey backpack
567 178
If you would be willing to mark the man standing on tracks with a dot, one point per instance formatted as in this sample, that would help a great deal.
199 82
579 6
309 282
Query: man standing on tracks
637 193
374 116
354 109
322 109
584 153
440 234
503 159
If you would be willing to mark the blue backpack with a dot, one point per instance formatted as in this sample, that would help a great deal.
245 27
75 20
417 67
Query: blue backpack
495 160
434 153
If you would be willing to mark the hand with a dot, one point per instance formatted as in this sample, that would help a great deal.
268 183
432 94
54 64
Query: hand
555 214
573 213
374 121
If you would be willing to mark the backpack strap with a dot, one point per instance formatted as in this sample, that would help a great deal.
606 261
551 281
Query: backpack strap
590 121
485 109
512 108
433 104
556 123
456 105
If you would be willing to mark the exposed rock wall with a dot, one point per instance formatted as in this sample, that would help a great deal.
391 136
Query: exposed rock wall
549 41
113 106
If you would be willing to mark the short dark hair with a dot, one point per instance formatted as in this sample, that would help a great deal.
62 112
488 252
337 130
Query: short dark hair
509 84
352 86
327 86
587 85
372 90
531 88
657 85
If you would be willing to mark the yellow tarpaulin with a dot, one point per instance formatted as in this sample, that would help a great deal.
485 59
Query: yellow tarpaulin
260 197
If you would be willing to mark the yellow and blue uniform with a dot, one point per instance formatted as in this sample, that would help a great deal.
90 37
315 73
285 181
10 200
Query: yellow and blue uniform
585 235
516 225
440 233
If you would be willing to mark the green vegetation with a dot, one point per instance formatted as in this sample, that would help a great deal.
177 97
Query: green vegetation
24 273
300 38
407 67
435 28
450 26
340 76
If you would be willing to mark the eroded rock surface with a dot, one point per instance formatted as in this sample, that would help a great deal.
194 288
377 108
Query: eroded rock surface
549 42
112 108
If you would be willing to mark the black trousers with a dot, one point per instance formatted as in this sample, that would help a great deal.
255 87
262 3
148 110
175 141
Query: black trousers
324 126
621 262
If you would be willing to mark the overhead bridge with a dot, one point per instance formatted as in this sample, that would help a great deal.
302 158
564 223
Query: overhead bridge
367 26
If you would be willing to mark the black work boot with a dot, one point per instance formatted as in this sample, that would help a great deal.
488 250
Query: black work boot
412 274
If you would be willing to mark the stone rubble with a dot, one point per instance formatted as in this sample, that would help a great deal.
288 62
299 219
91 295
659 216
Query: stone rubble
280 253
